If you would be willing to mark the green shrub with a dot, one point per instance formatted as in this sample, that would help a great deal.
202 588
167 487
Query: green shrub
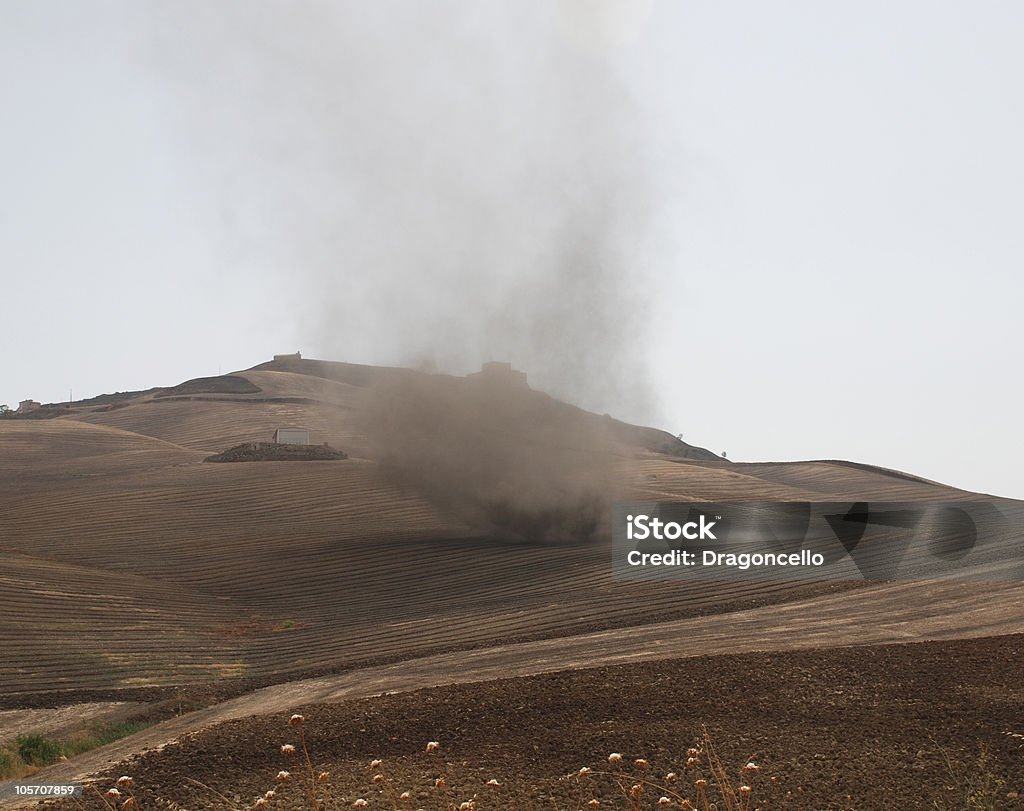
100 735
38 750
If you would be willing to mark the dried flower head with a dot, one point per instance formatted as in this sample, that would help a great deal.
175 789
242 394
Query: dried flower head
376 764
691 752
594 803
493 783
745 789
440 783
640 763
433 746
283 775
585 771
296 721
701 783
360 803
636 790
752 767
288 749
129 803
269 795
260 802
691 762
323 777
405 795
378 778
124 780
615 757
671 777
664 801
468 805
113 793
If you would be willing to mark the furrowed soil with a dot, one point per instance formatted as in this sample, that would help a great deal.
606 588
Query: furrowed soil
455 548
908 726
457 522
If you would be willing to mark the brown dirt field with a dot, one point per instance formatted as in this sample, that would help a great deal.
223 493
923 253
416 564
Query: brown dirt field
874 616
252 571
835 728
129 569
126 562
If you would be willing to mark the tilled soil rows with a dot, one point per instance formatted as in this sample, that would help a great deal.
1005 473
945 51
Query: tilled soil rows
911 726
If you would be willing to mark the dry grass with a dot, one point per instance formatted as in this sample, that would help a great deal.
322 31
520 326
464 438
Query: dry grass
973 786
702 783
705 783
28 753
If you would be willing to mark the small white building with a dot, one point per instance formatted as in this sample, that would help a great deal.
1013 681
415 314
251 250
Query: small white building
28 405
291 436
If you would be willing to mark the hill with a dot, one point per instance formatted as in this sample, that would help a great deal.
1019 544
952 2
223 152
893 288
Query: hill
467 514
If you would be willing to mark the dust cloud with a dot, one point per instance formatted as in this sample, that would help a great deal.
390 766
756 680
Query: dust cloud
442 185
507 461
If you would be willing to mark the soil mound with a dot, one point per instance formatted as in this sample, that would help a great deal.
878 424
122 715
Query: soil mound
275 452
225 384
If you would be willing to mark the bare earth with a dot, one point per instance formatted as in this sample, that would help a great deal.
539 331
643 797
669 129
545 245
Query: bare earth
873 615
129 568
908 726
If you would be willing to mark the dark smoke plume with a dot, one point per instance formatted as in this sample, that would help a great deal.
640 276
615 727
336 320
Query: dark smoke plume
438 185
429 184
505 460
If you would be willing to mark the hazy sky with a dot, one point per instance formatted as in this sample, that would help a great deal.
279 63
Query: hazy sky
784 230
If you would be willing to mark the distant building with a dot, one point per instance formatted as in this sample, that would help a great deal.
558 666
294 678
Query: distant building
286 358
291 436
499 372
28 405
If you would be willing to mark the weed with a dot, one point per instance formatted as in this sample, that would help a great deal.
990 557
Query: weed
30 752
10 764
977 787
38 750
707 784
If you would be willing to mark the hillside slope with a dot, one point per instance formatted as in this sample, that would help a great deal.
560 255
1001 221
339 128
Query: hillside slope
125 560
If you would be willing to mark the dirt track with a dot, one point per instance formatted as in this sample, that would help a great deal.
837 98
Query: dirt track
874 615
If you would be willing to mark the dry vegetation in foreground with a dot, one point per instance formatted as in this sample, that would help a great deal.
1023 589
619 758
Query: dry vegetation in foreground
704 784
